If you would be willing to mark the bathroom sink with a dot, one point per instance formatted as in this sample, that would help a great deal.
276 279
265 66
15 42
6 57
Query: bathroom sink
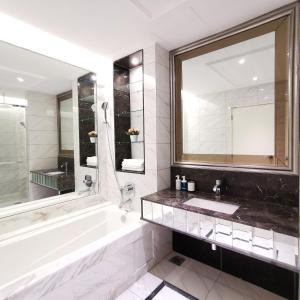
54 173
212 205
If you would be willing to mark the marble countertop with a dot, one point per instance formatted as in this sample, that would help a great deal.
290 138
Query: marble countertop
260 214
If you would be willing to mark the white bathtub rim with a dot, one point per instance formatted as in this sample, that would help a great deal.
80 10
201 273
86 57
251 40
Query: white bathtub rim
52 268
69 260
28 231
16 209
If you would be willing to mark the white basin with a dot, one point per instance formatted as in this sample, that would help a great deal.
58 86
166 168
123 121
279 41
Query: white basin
54 173
212 205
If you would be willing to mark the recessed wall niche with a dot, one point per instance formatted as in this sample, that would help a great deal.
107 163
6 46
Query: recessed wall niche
129 113
87 120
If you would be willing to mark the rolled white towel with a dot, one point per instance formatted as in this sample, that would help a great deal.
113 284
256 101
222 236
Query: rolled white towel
92 161
133 162
133 168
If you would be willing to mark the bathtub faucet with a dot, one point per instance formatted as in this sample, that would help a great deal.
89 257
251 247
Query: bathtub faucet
128 193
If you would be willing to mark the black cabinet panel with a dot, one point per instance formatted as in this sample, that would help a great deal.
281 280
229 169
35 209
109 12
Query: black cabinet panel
263 274
196 249
268 276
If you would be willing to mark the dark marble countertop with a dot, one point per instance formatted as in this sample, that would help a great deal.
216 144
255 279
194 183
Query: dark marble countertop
261 214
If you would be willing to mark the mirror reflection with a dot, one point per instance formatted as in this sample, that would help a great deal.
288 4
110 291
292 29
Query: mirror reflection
232 102
37 132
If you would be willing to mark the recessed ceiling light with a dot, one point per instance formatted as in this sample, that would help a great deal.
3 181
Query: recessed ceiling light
261 89
20 79
254 78
242 61
134 61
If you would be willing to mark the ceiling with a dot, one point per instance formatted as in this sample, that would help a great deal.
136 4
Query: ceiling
118 27
245 64
38 72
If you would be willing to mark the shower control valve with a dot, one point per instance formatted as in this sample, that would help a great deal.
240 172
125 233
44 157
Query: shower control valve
88 180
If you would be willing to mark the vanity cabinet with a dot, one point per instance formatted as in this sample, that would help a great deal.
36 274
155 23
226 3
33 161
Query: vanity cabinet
278 248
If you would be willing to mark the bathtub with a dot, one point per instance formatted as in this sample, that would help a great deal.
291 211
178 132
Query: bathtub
101 249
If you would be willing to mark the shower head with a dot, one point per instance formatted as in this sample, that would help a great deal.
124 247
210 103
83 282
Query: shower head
104 105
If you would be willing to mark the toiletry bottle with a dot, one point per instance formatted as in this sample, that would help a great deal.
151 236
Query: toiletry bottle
183 184
178 183
191 186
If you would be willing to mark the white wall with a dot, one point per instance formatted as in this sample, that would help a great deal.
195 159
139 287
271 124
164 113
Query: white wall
66 124
207 125
42 137
253 130
157 133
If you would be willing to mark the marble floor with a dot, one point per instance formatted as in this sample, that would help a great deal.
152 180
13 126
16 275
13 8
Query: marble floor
198 280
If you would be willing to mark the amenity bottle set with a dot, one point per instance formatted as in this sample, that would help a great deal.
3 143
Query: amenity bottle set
184 185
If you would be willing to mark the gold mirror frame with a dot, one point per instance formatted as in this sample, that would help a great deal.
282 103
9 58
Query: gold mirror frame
289 15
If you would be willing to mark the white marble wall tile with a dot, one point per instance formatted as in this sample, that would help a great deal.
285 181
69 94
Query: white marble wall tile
163 156
163 104
37 123
163 179
162 74
149 76
150 129
43 138
151 156
162 56
150 103
150 54
163 130
42 151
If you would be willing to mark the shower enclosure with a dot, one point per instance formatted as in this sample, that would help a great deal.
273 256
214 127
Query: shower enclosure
13 155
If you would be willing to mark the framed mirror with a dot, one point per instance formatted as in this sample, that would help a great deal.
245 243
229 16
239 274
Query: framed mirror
235 97
39 144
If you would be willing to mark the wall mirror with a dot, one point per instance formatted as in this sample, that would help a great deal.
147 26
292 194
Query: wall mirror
65 124
233 98
129 113
38 132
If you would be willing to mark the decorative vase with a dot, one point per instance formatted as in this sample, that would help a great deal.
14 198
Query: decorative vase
134 138
93 139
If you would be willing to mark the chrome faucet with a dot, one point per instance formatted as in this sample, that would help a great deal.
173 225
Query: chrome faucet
217 187
64 166
128 193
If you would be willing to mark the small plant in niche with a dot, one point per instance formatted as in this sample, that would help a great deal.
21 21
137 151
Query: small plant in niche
133 133
93 136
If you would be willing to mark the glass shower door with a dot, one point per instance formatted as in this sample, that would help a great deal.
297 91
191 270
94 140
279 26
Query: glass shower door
13 156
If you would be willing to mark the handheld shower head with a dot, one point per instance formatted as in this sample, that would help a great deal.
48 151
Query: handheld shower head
104 106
